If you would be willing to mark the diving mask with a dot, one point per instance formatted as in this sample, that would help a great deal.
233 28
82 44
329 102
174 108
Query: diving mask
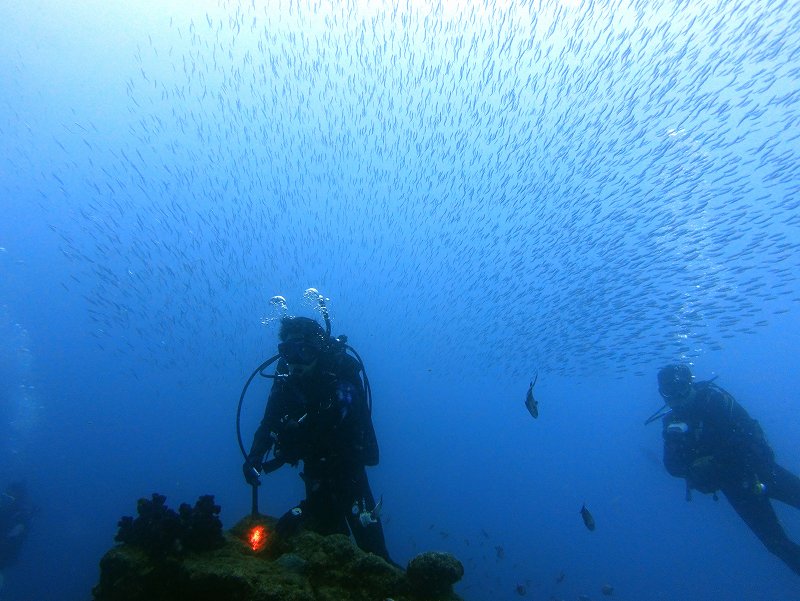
299 351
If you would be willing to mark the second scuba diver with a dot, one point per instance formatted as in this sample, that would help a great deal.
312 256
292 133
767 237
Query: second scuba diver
711 442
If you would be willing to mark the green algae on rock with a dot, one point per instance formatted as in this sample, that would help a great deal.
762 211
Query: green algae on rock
306 567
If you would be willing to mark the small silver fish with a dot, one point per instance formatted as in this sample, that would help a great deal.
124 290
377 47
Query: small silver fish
530 402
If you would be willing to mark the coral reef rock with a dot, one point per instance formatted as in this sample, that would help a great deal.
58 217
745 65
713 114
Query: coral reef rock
433 574
160 531
253 564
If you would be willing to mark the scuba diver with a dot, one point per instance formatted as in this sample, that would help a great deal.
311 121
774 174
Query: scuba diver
319 412
712 442
16 512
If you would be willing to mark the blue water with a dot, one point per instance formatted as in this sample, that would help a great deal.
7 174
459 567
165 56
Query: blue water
482 190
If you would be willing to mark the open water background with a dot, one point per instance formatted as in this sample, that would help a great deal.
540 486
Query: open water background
483 190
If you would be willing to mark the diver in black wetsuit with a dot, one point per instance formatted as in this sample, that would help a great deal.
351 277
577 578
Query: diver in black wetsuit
317 413
711 441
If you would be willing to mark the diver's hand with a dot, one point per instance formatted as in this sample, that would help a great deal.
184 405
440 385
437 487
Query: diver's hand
252 470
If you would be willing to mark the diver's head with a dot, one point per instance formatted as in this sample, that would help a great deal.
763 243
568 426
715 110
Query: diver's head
302 343
675 384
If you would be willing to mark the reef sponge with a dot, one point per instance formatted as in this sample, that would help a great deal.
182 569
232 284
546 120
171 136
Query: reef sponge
159 531
156 530
201 528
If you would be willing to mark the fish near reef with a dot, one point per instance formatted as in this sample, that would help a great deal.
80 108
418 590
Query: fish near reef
530 403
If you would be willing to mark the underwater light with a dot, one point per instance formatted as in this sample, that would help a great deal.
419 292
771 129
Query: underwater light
257 538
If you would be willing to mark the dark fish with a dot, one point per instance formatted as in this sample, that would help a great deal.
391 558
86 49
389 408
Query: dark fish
500 552
560 577
521 590
607 590
588 520
530 402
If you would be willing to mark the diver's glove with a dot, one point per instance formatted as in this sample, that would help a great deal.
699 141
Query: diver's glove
252 470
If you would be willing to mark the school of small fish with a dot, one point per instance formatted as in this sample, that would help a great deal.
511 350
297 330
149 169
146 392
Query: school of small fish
569 185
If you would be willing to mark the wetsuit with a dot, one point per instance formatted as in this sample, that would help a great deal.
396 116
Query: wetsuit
322 419
714 444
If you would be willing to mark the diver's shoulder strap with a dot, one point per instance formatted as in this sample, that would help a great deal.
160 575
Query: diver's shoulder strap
703 384
725 404
709 387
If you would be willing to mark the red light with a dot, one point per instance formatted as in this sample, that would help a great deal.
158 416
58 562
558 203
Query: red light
257 538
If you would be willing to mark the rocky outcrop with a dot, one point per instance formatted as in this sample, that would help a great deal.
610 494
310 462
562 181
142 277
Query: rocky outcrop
251 563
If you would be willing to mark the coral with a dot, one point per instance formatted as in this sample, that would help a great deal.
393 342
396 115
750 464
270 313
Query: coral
201 528
305 567
433 574
159 531
155 530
